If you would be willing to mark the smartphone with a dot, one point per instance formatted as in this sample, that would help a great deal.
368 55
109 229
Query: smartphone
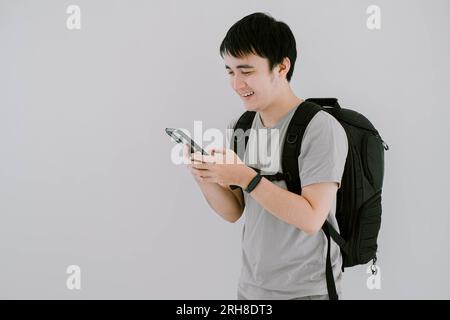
180 137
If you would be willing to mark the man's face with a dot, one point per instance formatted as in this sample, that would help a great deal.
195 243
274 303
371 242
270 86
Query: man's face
251 75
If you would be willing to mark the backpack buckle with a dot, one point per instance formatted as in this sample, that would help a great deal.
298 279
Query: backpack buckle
292 138
373 267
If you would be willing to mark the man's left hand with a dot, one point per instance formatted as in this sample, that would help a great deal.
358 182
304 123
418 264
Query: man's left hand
223 167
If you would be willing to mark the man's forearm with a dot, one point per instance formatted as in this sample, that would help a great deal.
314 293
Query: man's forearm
283 204
221 200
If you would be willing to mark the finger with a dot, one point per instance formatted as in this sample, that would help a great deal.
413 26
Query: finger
186 154
200 173
202 158
197 156
220 156
220 150
201 165
208 179
195 173
187 149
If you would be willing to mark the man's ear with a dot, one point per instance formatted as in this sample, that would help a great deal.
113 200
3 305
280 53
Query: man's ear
284 67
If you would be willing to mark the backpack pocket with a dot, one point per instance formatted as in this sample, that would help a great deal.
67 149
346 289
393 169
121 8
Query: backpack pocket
369 222
373 160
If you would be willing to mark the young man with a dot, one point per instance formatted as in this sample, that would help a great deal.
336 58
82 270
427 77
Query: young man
283 246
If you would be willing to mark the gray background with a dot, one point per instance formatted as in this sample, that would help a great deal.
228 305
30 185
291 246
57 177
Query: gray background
85 170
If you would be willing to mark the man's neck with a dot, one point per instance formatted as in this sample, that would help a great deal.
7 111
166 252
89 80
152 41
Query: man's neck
276 111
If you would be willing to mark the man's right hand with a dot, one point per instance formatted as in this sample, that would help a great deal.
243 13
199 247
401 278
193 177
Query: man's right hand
227 203
190 158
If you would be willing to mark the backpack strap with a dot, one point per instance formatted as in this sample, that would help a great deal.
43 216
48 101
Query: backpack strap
292 148
331 285
244 123
331 233
293 141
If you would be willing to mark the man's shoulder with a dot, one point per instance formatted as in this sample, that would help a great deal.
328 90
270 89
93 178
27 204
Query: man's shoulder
324 118
324 122
324 131
234 120
232 123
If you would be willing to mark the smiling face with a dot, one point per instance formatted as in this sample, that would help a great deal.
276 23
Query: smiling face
251 75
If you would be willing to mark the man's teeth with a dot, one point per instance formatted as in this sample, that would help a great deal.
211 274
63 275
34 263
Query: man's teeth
247 94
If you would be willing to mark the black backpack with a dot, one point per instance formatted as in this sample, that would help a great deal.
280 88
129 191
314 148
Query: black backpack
358 203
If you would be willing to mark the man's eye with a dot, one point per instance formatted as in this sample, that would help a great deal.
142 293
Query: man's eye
230 73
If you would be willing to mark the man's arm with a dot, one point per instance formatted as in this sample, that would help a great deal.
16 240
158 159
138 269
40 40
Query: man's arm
228 204
238 193
321 164
307 212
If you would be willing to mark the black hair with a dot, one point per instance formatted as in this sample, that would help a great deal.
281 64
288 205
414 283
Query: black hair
262 35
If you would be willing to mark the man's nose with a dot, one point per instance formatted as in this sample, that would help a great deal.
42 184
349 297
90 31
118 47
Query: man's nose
238 83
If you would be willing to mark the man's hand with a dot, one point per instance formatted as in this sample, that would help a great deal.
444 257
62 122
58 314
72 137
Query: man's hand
188 159
223 167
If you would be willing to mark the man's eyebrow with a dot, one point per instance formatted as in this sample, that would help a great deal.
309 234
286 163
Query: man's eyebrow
241 66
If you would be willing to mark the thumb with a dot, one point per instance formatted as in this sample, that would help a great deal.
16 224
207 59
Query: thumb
220 150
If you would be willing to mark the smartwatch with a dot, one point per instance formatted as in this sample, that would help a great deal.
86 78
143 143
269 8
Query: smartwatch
253 183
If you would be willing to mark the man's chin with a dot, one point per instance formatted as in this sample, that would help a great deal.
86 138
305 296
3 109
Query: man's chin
250 107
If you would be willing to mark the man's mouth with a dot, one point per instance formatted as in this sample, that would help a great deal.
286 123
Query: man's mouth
247 94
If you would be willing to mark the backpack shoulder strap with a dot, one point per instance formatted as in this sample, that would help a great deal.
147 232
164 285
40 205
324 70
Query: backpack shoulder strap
240 128
293 141
244 123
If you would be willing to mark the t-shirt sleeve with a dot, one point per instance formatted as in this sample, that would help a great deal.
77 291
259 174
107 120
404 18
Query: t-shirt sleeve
323 151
